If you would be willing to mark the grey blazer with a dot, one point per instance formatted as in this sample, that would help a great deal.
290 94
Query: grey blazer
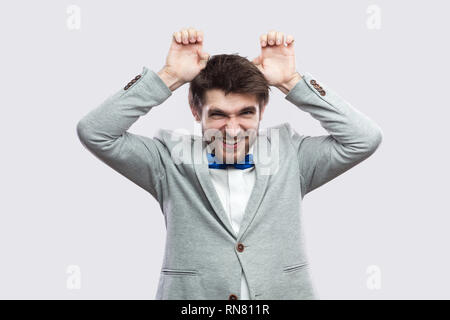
203 256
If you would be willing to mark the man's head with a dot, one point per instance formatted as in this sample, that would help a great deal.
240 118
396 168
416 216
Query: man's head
228 97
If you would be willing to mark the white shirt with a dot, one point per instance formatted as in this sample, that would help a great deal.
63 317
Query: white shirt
233 186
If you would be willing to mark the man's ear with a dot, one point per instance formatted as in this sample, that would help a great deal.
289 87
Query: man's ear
195 114
193 109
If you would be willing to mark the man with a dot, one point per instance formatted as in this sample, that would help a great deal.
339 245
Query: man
232 209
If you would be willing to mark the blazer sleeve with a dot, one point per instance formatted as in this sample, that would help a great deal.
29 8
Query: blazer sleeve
103 131
352 138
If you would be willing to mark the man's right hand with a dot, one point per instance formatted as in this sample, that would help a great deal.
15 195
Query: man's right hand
185 59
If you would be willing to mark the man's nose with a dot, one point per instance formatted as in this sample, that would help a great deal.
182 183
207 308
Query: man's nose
233 130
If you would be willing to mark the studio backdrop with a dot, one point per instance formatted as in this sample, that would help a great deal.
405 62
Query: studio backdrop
73 228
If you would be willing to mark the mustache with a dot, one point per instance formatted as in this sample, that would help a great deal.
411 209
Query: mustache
215 134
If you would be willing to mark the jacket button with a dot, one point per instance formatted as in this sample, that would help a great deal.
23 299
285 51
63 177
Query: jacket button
232 297
137 77
126 87
322 93
240 247
313 82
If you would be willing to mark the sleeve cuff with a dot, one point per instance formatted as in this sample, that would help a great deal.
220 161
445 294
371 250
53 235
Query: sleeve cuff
151 80
301 91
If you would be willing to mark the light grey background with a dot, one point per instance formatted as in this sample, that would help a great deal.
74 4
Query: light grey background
60 206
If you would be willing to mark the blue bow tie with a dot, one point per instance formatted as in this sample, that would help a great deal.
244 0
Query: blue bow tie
242 165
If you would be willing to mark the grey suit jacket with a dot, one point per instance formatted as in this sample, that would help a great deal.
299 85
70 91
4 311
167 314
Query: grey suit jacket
203 256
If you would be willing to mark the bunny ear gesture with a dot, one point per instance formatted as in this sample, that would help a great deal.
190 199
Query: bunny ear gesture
277 59
186 57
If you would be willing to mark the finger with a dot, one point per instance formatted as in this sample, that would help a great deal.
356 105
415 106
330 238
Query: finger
271 37
184 36
203 55
257 60
289 40
192 35
199 36
263 40
279 38
177 37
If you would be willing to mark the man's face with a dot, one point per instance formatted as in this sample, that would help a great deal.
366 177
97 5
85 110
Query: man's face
229 123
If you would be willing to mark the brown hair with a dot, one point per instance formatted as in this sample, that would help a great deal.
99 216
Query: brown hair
230 73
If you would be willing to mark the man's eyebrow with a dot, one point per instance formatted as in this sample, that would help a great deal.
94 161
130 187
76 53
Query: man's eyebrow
243 109
249 108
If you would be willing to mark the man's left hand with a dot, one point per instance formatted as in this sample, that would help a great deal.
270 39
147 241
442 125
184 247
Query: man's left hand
277 60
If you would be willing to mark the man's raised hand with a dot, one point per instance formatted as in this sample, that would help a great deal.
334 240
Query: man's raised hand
277 60
185 59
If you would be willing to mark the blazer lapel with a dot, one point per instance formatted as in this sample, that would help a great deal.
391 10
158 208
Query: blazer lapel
202 172
266 164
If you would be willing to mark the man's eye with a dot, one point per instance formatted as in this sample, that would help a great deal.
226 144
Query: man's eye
221 115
